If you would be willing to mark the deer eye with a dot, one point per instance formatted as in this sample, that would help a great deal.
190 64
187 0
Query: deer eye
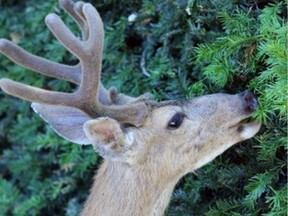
175 121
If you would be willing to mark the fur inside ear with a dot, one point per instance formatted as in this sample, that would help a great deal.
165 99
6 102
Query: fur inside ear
66 121
104 131
108 138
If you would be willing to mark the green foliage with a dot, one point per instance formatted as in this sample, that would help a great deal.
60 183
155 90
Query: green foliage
188 48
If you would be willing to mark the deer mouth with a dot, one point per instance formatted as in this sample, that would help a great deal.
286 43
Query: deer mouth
247 120
247 127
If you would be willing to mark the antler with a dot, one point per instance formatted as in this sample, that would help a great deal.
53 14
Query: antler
91 96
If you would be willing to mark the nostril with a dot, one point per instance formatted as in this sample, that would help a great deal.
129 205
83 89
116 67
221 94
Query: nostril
248 97
250 100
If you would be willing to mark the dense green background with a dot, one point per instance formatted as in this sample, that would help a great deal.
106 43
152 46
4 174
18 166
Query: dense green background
190 48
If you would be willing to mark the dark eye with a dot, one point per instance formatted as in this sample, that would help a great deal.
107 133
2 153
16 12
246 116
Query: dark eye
176 121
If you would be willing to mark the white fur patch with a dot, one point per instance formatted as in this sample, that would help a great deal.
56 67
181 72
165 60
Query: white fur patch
129 139
250 130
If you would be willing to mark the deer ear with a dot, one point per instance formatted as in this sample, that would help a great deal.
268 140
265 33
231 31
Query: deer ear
66 121
108 138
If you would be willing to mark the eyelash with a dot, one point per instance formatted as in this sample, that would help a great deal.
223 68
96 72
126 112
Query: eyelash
176 121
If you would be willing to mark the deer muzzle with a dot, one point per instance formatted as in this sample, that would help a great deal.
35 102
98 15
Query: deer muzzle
249 100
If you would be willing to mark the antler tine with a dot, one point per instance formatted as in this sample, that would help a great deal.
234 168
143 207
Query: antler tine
96 32
89 52
92 61
75 11
42 65
27 92
132 113
39 64
36 63
90 56
33 94
64 35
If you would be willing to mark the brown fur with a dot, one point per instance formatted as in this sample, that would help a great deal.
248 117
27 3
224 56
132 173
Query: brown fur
143 161
140 181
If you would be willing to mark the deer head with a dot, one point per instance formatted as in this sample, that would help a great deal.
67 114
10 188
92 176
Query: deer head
169 138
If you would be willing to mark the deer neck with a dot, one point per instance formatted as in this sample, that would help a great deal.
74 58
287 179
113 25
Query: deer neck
123 190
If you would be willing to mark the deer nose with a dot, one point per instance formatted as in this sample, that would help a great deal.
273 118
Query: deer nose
249 100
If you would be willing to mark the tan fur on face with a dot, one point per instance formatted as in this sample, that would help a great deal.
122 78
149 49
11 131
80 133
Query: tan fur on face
143 162
162 156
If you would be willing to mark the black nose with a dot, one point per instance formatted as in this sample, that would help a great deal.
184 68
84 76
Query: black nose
249 100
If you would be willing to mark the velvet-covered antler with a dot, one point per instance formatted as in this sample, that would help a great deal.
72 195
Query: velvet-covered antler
91 97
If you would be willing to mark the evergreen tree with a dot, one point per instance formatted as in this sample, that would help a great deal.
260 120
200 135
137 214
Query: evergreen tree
176 49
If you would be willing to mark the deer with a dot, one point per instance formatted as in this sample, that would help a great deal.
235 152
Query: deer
147 146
